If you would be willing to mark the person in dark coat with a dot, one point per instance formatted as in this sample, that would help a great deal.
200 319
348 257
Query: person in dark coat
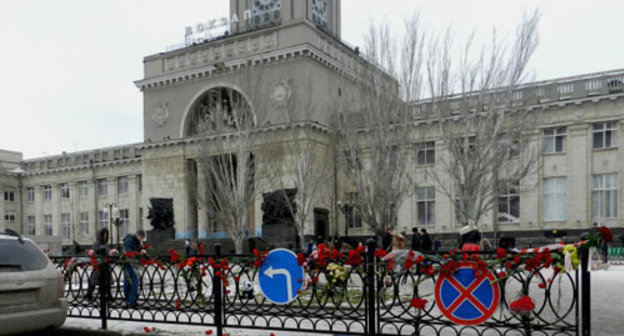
386 240
132 243
101 250
425 241
416 241
470 237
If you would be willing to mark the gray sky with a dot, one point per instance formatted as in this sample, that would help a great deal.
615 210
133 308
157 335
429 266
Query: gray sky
68 65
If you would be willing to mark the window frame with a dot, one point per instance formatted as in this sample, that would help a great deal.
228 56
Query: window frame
31 227
102 187
557 133
30 194
125 182
605 191
83 188
427 201
47 192
65 193
9 196
511 192
48 228
427 151
609 128
66 225
553 194
84 223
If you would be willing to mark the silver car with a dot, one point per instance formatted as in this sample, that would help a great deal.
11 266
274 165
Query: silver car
31 288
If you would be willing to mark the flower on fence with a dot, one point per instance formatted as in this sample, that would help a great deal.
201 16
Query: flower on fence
523 305
418 303
130 254
259 257
173 256
300 259
379 253
337 273
314 280
542 285
208 332
501 253
355 258
148 329
201 249
146 246
177 304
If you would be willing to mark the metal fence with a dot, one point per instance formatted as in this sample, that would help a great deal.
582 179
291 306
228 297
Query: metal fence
372 300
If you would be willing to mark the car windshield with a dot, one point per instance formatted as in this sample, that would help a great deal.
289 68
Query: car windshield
24 256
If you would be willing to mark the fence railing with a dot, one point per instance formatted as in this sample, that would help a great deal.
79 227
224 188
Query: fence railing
374 298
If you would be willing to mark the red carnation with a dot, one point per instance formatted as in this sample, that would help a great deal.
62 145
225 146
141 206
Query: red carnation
177 304
300 259
522 305
418 303
501 253
542 285
379 253
208 332
314 280
147 329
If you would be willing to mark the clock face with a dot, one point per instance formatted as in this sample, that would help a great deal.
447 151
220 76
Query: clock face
320 12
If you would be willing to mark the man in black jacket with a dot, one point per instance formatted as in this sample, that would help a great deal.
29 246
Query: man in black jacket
416 241
425 241
101 251
132 243
386 240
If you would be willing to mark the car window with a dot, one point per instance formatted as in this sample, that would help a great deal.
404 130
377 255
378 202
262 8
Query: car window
25 256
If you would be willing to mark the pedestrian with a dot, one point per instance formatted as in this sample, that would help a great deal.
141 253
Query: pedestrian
386 240
194 247
437 245
132 243
398 242
470 237
99 250
187 248
426 244
416 241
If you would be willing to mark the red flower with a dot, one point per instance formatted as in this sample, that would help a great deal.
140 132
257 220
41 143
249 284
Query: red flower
191 261
606 234
272 334
502 274
522 305
314 280
379 253
390 265
354 258
236 278
201 249
130 254
147 329
146 246
501 253
153 328
177 304
300 259
208 332
418 303
542 285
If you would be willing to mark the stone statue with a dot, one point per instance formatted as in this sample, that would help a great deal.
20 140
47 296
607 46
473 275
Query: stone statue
161 213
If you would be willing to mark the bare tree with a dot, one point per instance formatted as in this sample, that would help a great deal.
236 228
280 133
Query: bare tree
474 104
301 158
226 128
375 124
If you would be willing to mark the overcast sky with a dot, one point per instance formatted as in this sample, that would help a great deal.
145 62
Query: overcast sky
68 65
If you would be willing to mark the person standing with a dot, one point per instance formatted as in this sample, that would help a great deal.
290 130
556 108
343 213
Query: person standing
416 241
194 247
398 242
187 248
386 240
132 243
101 251
425 241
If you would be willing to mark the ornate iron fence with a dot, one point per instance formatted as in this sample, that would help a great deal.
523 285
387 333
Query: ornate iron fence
372 300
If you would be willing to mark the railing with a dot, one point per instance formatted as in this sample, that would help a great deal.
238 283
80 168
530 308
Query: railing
373 299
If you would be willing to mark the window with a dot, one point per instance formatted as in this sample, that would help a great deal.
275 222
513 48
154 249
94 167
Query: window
509 204
604 196
466 144
102 187
103 218
9 218
47 192
47 225
9 196
30 225
65 190
425 153
555 199
554 140
83 188
604 135
84 223
425 205
122 185
140 182
30 194
66 226
124 219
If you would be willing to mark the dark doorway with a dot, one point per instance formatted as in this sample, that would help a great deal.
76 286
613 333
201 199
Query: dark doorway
321 224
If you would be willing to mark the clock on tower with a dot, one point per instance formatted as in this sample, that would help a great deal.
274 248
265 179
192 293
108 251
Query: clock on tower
319 12
265 11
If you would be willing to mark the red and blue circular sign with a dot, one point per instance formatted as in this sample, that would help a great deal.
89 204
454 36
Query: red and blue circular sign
467 298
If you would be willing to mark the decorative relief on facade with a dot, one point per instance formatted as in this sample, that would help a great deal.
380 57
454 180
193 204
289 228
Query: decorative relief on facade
219 109
160 115
221 52
281 92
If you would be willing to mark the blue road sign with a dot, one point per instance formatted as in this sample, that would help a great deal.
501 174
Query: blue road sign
465 298
280 276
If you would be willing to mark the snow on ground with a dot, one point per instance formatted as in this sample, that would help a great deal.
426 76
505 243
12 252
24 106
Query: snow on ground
607 299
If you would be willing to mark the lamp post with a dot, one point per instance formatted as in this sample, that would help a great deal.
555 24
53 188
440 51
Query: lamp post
344 206
113 218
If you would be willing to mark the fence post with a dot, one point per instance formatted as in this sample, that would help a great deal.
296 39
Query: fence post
217 288
371 303
585 293
104 284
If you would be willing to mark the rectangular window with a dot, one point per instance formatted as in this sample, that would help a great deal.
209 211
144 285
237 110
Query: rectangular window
30 225
30 194
466 144
604 196
83 188
352 213
509 204
65 190
555 199
47 225
124 219
122 185
9 218
47 192
425 153
102 187
140 182
66 226
604 135
554 140
9 196
103 219
84 223
425 205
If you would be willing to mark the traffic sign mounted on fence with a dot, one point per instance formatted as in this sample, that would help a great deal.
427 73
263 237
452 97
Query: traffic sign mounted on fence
280 276
467 298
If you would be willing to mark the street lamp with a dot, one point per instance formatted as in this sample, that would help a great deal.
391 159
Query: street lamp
113 218
344 206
